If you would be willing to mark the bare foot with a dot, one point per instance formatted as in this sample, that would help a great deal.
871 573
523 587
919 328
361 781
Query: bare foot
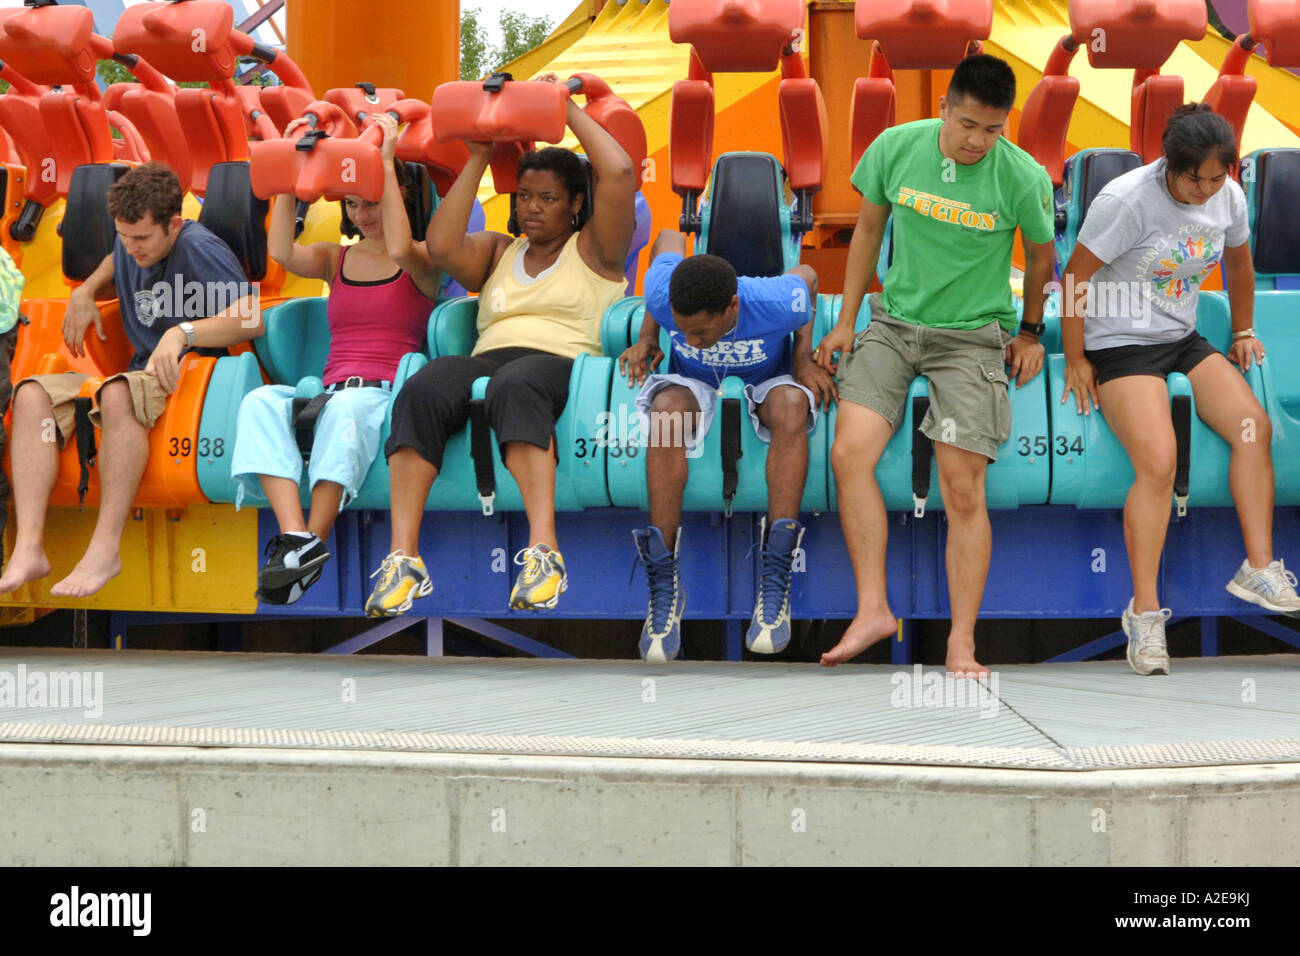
961 658
27 564
864 630
90 574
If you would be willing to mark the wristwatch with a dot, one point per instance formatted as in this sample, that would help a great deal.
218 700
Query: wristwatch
188 329
1033 328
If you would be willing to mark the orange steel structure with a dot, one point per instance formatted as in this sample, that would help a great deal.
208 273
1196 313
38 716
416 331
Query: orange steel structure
410 44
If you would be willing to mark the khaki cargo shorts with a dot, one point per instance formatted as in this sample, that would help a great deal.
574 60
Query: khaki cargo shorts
969 405
147 398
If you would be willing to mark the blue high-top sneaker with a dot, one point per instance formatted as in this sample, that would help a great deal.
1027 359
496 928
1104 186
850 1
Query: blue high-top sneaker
769 631
661 637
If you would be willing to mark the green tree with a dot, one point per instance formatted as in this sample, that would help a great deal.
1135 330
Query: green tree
110 71
519 34
474 50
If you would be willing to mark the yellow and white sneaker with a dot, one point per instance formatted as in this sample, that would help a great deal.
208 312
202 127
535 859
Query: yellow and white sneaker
542 580
402 579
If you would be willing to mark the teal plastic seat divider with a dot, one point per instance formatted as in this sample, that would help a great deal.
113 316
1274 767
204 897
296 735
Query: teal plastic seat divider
703 492
294 351
233 377
1100 475
579 479
1020 476
1275 383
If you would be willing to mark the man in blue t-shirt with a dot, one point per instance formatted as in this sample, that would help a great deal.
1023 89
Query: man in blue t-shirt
165 271
722 325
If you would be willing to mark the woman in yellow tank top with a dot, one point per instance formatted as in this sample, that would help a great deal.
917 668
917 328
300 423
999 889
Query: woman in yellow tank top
541 298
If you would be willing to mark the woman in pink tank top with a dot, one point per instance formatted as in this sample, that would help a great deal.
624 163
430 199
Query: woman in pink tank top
382 290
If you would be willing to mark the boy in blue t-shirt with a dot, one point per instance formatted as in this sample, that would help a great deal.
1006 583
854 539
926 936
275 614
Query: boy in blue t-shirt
721 325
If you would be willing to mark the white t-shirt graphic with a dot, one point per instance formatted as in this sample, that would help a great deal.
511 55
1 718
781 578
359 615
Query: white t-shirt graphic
1158 252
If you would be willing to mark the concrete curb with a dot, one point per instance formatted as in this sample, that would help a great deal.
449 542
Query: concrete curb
118 805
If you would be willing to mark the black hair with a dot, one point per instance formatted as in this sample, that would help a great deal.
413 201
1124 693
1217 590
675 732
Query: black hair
987 79
574 173
1193 134
702 283
404 182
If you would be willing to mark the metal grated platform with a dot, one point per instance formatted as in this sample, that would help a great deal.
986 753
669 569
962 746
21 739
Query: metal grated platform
1088 716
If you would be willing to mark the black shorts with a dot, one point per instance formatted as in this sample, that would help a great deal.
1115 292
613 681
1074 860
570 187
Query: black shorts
525 396
1163 359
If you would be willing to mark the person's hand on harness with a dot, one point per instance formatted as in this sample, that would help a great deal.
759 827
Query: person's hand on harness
81 313
810 373
639 360
388 148
165 362
1026 355
1243 350
839 339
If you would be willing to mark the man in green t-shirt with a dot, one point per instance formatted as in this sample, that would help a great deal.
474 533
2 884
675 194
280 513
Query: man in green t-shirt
957 191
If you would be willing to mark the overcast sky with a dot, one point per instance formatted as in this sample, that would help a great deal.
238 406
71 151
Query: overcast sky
556 10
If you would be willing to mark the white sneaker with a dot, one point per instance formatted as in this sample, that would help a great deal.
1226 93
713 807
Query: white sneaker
1273 587
1146 640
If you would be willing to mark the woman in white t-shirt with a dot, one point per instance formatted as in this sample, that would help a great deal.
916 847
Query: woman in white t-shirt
1150 238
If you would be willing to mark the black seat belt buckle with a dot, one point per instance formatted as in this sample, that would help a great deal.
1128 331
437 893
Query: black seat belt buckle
86 452
480 450
731 451
1181 412
922 453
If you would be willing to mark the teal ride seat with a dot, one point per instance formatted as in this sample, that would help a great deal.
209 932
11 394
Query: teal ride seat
1275 382
746 218
1086 173
233 377
1272 183
1091 469
1020 476
297 340
294 346
620 326
453 329
293 351
1051 338
580 471
1277 323
704 485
